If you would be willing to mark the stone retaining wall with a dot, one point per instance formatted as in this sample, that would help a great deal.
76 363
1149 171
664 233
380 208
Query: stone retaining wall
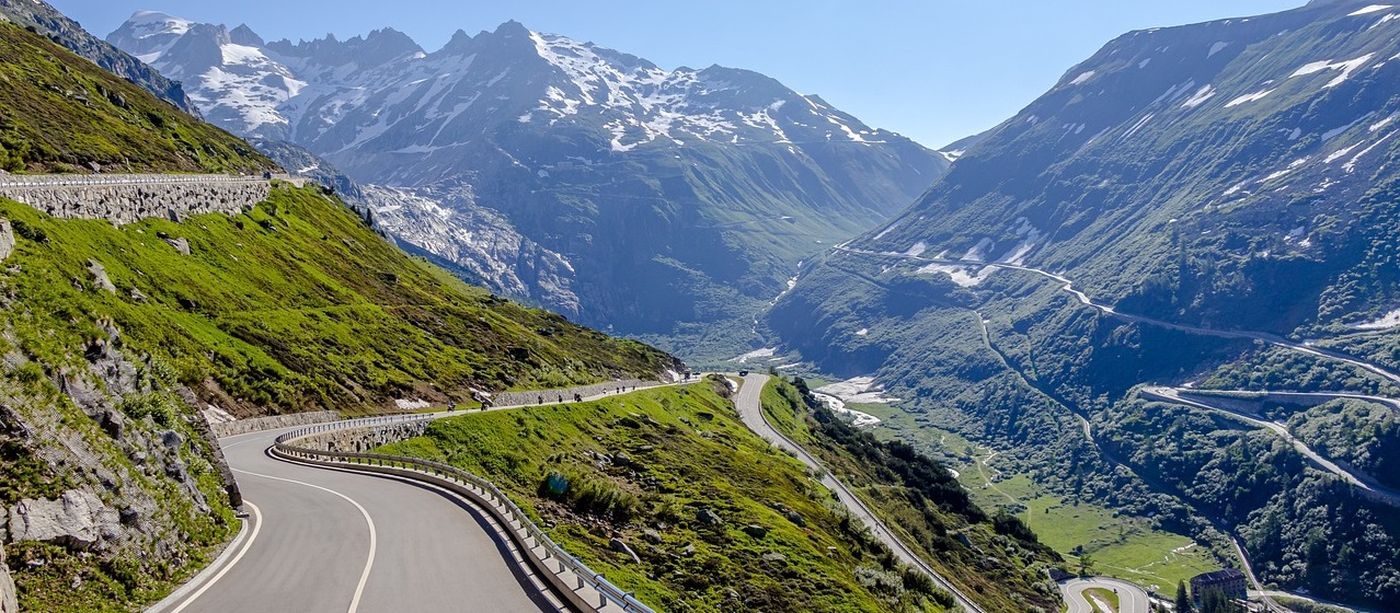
123 203
510 399
361 440
272 422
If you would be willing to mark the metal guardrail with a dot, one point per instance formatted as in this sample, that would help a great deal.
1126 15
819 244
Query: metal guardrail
492 495
26 181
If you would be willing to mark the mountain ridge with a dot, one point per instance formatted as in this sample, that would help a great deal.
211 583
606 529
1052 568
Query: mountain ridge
653 202
1232 175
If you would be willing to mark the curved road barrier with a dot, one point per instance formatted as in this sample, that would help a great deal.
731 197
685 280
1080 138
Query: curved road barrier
323 538
527 535
749 402
30 181
1131 598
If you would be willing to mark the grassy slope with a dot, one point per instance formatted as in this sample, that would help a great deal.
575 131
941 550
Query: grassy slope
933 529
686 451
296 306
60 112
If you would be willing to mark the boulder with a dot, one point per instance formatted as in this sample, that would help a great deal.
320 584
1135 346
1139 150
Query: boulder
7 239
774 556
181 245
99 276
708 517
795 517
755 531
617 544
77 519
651 536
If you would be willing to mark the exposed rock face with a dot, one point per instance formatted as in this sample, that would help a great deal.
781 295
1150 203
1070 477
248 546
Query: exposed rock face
142 197
131 477
8 600
7 239
77 519
99 276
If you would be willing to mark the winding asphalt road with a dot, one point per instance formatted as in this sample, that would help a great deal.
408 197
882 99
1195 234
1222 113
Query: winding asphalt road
320 540
1131 598
750 405
1352 477
340 542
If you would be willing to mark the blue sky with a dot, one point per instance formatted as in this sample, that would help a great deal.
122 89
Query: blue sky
935 70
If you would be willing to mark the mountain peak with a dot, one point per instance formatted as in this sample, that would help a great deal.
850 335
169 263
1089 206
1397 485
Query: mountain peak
244 35
511 28
459 42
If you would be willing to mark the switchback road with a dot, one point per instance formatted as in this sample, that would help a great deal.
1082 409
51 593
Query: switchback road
750 405
1131 598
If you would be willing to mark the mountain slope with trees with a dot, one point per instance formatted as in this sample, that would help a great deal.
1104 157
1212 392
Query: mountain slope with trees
1234 175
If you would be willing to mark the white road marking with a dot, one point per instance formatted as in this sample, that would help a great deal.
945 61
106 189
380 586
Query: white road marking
257 526
373 536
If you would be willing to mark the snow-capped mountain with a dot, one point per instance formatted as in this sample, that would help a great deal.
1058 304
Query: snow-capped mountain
707 185
48 21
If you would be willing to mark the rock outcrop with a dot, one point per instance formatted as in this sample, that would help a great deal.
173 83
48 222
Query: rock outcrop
9 601
99 276
77 519
7 239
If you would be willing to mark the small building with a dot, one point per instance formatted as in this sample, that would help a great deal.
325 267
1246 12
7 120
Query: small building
1229 581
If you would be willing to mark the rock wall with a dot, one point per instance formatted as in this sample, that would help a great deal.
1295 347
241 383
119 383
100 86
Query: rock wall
358 440
7 239
271 422
126 202
9 601
511 399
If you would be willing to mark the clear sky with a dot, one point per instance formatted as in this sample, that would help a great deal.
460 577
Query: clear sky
935 70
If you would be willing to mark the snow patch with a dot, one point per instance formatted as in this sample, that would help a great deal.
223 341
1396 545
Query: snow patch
1346 67
1384 322
1374 8
1217 48
978 252
1083 77
959 274
1256 96
766 352
1206 92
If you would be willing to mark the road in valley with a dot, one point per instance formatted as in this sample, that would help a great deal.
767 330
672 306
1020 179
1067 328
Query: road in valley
1131 598
750 405
1352 477
1307 347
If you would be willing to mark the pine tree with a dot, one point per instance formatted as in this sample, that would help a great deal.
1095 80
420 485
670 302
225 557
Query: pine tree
1183 602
